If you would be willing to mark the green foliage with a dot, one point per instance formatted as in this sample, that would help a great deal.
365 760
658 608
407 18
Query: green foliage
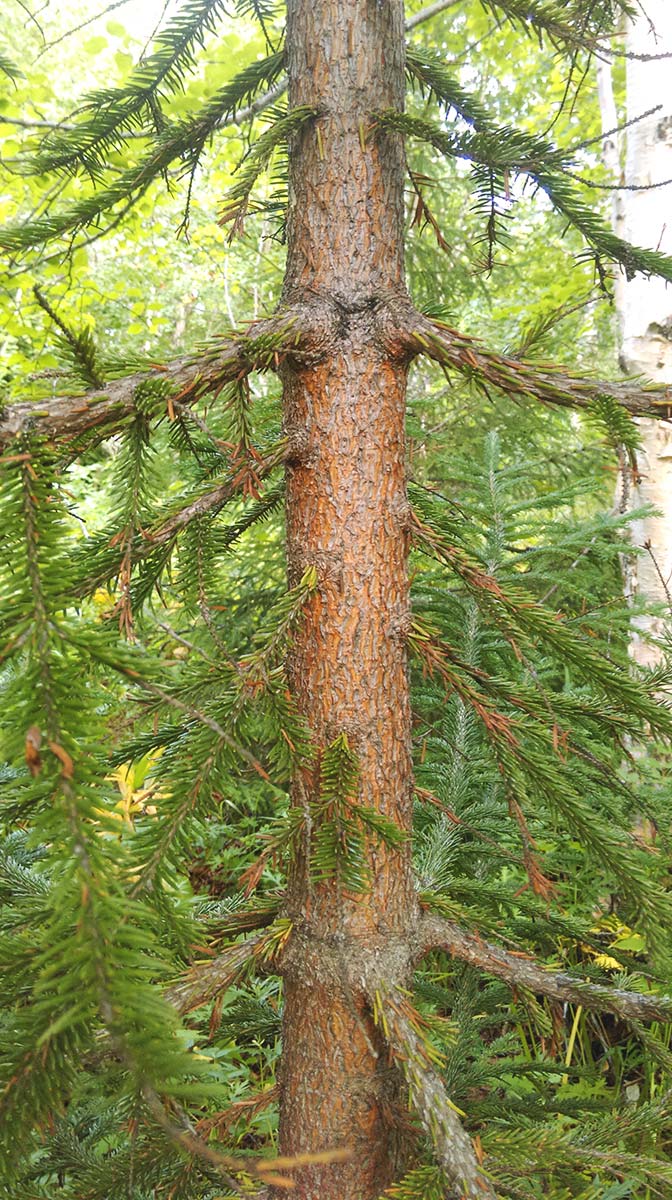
341 825
77 346
483 694
238 204
9 68
501 153
263 11
543 738
148 728
108 114
76 895
571 27
422 1181
611 418
90 144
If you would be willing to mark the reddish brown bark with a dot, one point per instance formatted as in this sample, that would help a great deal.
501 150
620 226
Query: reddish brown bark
346 515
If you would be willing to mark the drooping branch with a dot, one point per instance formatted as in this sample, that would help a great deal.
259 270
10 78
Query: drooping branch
520 379
574 31
110 112
117 114
499 152
213 499
63 418
239 117
179 1129
101 655
519 971
100 564
416 1057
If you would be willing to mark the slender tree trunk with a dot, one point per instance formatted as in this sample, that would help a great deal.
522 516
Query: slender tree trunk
347 516
645 305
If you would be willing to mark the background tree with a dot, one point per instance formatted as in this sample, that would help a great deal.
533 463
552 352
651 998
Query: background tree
640 213
312 699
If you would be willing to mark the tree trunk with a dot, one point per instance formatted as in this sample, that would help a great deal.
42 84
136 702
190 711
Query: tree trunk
347 517
645 305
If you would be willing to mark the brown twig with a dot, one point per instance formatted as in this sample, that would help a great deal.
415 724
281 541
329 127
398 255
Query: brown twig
206 979
210 501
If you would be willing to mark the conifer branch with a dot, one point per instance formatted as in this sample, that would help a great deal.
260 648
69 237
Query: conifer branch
179 1128
183 140
108 409
211 501
269 1170
118 114
237 204
570 27
521 971
454 1149
240 116
111 112
243 920
499 152
9 68
77 346
102 561
99 653
339 829
262 11
205 980
103 978
519 379
181 1132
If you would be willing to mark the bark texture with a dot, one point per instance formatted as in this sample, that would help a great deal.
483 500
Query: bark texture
347 516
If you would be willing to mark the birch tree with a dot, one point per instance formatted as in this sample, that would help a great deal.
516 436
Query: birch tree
641 213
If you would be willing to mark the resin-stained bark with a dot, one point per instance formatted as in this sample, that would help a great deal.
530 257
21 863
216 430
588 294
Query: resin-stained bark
347 516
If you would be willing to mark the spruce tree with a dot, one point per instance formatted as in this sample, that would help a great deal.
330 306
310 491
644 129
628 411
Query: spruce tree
410 955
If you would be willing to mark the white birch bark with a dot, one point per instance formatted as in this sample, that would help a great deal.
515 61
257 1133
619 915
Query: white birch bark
645 305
